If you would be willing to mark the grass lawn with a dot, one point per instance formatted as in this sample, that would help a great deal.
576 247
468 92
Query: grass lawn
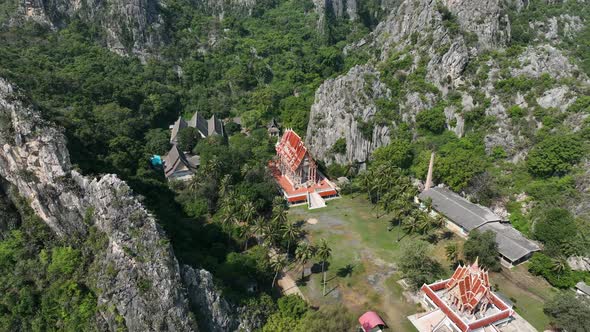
528 293
362 273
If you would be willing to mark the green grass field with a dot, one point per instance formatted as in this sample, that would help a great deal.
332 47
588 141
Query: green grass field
362 273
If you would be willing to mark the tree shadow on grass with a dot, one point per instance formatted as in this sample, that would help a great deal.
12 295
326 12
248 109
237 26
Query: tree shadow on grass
303 281
345 271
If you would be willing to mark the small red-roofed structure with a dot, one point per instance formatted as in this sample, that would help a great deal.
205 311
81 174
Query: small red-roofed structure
465 302
371 322
296 172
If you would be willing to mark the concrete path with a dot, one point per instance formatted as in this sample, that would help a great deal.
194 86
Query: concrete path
288 285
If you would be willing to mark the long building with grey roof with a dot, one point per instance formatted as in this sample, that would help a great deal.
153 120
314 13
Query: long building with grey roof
465 217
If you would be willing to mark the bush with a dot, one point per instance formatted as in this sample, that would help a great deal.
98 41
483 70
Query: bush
398 152
543 265
339 146
555 228
582 104
432 120
554 155
515 112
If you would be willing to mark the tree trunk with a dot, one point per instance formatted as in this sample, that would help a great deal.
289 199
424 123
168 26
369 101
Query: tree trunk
274 279
288 244
302 271
324 272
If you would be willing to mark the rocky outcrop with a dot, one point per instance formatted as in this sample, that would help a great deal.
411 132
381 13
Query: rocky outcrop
420 28
131 26
342 106
9 216
138 277
220 8
579 263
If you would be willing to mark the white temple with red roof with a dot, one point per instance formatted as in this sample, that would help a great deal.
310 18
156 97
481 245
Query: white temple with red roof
462 303
297 173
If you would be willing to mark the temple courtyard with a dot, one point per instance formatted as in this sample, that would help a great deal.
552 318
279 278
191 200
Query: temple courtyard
362 273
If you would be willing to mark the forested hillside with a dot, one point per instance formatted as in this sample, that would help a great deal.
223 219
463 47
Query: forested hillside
498 89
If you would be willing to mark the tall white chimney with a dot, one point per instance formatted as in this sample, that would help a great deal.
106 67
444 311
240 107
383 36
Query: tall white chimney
429 176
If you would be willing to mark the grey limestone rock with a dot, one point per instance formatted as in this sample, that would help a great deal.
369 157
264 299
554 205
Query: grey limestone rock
139 278
341 106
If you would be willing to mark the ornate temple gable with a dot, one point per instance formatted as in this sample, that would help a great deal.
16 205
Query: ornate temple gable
469 289
295 162
291 149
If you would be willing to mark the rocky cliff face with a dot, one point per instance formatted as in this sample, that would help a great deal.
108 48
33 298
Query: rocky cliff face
218 314
130 26
140 276
137 277
341 107
442 38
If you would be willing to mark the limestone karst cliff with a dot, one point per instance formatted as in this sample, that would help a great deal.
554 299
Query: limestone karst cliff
34 162
446 43
131 27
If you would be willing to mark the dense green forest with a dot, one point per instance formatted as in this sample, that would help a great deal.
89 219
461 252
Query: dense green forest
116 111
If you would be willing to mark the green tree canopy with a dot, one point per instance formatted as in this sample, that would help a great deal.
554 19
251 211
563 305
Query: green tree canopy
554 228
554 155
482 246
398 153
432 120
417 264
188 138
569 312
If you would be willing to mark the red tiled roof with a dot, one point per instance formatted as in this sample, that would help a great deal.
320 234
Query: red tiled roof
291 149
470 285
369 320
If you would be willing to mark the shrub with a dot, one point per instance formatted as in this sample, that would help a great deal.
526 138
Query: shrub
554 155
515 112
339 146
432 120
556 227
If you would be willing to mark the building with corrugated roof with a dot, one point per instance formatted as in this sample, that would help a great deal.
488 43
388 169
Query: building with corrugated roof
464 217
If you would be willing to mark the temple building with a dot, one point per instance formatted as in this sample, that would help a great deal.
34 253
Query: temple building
181 165
206 128
178 165
273 128
297 173
462 303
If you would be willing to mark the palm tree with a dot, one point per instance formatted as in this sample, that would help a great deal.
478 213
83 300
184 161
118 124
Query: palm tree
410 224
228 219
279 215
278 263
248 211
258 228
559 266
224 186
428 204
425 223
453 254
194 185
324 252
439 221
273 231
290 232
303 254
